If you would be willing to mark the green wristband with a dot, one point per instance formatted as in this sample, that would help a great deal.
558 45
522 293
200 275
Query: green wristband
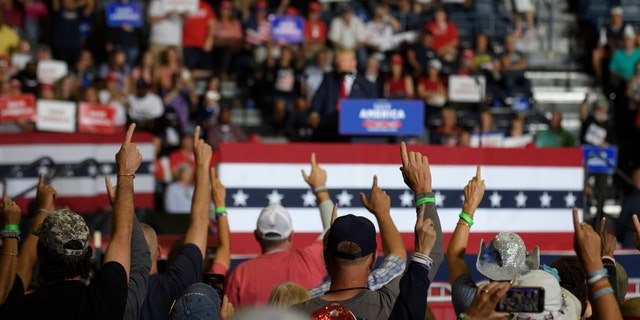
425 200
466 218
13 227
221 209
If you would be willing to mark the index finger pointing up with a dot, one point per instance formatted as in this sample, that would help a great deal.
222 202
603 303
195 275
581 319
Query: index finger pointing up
478 174
313 160
196 134
636 223
129 135
576 219
403 153
41 179
4 195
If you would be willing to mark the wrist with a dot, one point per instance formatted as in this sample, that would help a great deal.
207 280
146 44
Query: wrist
468 209
592 265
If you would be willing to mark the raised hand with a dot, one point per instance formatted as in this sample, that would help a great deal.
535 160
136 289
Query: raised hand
128 158
9 210
317 177
378 202
45 195
218 191
587 244
473 193
226 309
201 150
609 241
487 298
425 233
415 170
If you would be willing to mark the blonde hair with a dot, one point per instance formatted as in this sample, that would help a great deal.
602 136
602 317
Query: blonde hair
287 294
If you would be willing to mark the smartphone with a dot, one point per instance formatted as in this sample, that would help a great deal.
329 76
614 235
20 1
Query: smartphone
216 281
523 299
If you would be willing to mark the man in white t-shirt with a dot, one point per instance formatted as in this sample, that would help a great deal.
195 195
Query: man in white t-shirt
166 29
348 31
144 106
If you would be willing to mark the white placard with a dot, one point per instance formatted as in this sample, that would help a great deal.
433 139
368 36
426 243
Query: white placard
182 5
466 88
494 139
19 60
57 116
49 71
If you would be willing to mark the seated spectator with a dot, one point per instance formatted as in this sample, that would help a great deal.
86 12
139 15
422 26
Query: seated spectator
182 155
516 136
555 136
197 40
486 134
380 30
67 17
165 31
445 35
28 78
228 39
283 77
47 92
144 106
115 98
224 131
178 194
169 66
10 38
179 94
408 15
623 61
65 89
373 74
314 73
125 37
315 32
431 89
210 106
258 33
448 133
398 85
145 70
348 31
483 54
465 67
117 65
84 71
596 129
421 53
611 38
513 64
252 281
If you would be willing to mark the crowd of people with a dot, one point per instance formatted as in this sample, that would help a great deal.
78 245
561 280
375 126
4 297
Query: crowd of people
130 282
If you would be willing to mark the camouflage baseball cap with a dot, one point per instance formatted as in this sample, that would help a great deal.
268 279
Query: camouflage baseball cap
61 229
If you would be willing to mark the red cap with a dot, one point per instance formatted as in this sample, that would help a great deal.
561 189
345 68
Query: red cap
315 7
111 76
291 11
396 58
468 53
226 4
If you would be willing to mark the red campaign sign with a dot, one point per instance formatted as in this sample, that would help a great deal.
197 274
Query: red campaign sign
95 118
14 107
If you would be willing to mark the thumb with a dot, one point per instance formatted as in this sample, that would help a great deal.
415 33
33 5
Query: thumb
364 200
304 175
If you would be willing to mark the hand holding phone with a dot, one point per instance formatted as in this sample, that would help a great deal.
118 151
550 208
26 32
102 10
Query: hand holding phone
522 300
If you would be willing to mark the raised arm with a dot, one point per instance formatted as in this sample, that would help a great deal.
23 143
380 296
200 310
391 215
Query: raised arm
140 263
199 225
10 215
128 160
317 180
45 197
587 245
218 196
473 193
417 176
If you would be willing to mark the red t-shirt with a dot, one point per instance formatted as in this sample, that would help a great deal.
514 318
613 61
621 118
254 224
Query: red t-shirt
397 86
195 30
315 32
251 282
442 34
428 85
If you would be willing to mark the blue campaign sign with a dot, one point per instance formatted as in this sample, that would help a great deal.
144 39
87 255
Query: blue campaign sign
381 117
288 29
119 14
600 160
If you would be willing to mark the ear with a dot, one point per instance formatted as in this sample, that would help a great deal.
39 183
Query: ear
372 265
290 238
256 234
159 251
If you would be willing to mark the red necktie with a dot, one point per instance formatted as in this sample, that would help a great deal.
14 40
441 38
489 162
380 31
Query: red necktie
343 92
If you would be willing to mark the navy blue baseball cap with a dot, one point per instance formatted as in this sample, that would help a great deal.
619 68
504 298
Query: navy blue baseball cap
358 230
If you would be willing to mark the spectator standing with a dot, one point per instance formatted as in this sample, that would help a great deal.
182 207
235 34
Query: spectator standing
611 38
258 33
144 106
448 133
513 64
596 129
523 8
28 78
314 73
228 40
179 193
13 12
431 89
197 41
284 77
125 38
166 29
380 31
445 35
145 70
117 66
623 62
408 15
315 32
68 16
35 12
224 130
179 95
116 99
347 31
182 155
630 206
555 136
398 85
84 71
421 53
372 74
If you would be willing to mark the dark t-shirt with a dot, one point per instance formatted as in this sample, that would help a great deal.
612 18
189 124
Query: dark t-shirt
165 287
595 133
423 54
104 298
66 28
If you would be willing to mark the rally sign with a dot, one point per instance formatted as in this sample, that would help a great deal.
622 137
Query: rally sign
96 118
381 117
287 29
49 71
600 160
57 116
119 14
466 88
14 107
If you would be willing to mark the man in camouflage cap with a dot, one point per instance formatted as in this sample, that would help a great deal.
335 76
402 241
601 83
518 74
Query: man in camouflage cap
64 232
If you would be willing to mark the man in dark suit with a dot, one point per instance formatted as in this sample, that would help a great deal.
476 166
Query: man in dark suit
343 83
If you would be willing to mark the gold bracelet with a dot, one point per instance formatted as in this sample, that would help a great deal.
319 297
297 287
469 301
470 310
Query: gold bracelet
8 254
463 224
127 175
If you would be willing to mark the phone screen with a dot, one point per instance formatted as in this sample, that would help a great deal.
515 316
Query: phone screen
216 281
523 299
